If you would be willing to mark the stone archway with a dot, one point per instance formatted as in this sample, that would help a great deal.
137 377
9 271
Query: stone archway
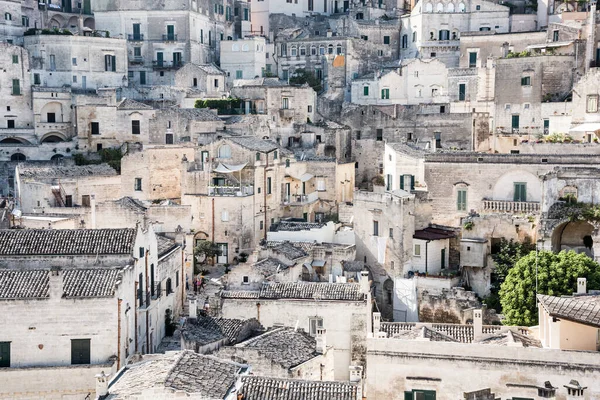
578 236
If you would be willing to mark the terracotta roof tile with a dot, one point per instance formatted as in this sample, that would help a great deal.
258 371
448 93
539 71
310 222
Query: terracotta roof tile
582 309
261 388
23 284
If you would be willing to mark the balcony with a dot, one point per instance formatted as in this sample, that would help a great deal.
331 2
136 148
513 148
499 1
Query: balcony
286 113
159 64
504 206
301 199
169 37
231 191
135 37
136 60
441 43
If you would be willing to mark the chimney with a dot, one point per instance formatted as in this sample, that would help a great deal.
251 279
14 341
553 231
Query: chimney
477 324
101 385
55 283
356 377
574 390
581 286
590 46
93 207
365 287
321 341
193 308
505 49
376 323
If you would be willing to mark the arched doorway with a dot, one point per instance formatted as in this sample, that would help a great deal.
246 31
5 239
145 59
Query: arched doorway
12 141
57 157
576 236
18 157
53 138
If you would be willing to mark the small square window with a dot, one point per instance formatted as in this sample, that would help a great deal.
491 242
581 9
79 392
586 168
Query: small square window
138 184
592 103
95 128
417 250
526 81
15 59
74 60
477 8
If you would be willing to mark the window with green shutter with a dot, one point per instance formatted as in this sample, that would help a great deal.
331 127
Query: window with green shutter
461 200
520 191
526 81
385 94
419 395
80 351
365 90
4 354
16 87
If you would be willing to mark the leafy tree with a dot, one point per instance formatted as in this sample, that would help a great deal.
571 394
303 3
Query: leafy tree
506 256
302 76
556 275
204 250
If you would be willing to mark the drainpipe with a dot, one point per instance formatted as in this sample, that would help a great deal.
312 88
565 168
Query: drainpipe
119 334
265 194
213 224
426 256
147 307
135 313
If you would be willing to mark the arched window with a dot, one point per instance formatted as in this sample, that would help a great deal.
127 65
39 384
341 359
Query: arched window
313 50
339 49
302 50
294 51
245 47
322 50
18 157
235 47
8 16
330 49
461 7
225 151
444 34
57 157
450 7
429 7
439 7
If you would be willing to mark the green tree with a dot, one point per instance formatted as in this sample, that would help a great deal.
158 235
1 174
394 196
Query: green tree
204 250
302 76
556 275
505 257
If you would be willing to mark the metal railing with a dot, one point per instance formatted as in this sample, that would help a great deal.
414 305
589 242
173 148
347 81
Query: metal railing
234 191
169 37
167 64
135 37
511 206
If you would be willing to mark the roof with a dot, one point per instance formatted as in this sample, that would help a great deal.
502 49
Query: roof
36 172
298 226
131 204
302 291
130 104
186 371
254 143
54 242
210 69
165 245
353 266
270 82
433 234
262 388
197 114
290 251
205 329
582 309
285 346
76 283
269 266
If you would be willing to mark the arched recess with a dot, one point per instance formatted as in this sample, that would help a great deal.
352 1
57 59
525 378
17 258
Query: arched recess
89 23
52 110
73 23
527 184
18 157
57 157
57 21
53 137
575 236
14 140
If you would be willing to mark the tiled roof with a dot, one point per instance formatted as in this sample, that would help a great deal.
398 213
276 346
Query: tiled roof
285 346
33 171
195 374
298 226
290 251
433 234
261 388
353 266
66 241
130 104
197 114
165 245
511 338
269 82
205 329
305 246
240 294
254 143
23 284
581 309
97 282
312 291
132 204
269 266
210 69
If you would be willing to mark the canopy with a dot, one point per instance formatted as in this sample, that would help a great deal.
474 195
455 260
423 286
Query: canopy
227 169
589 127
304 177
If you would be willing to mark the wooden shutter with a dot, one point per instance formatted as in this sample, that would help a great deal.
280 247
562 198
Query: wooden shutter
4 354
412 182
113 60
80 351
402 182
408 396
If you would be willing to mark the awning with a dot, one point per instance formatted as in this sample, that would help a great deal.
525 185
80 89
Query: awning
318 263
589 127
547 45
227 169
304 177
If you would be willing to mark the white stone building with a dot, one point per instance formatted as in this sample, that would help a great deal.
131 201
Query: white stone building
246 58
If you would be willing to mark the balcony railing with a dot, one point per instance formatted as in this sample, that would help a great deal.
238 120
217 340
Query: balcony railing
286 113
511 206
135 37
169 38
136 60
158 64
234 191
301 199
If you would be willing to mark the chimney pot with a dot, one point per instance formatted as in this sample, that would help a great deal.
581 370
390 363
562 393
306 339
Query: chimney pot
321 345
101 385
365 287
376 323
477 324
581 286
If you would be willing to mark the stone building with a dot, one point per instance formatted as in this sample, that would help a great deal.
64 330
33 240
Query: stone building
338 308
247 58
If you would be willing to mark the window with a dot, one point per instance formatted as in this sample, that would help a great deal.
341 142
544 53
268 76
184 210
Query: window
309 109
461 200
526 81
98 146
314 324
414 37
275 155
311 5
137 186
142 252
515 122
520 191
385 94
375 228
592 103
417 250
302 50
74 78
10 123
404 41
313 50
285 103
391 233
438 139
246 14
216 83
245 280
321 185
36 79
407 182
294 51
52 62
8 16
110 63
95 128
261 224
379 133
169 138
135 127
74 61
420 394
137 52
555 36
15 59
16 87
484 29
4 354
365 90
224 216
472 59
257 156
287 163
51 117
224 151
80 351
169 286
142 77
462 91
85 200
269 185
444 34
322 50
25 21
386 40
477 8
